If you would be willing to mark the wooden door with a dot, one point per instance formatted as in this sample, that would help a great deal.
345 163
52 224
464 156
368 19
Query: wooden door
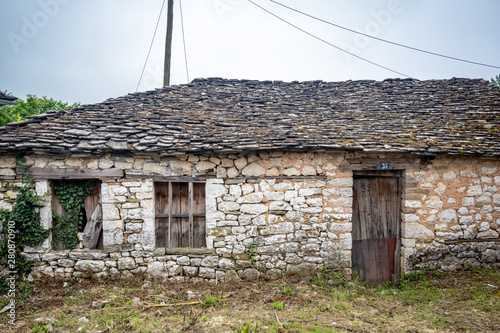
375 234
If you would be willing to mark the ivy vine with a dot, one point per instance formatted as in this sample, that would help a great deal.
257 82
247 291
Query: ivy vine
71 195
21 225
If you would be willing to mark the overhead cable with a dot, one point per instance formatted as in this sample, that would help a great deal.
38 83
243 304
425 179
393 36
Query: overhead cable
150 46
184 42
384 40
328 43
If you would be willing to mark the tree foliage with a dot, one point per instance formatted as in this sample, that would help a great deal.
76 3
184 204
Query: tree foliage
496 81
33 105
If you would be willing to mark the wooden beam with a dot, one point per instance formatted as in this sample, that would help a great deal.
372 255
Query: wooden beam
475 240
190 208
158 178
189 251
375 164
52 173
164 216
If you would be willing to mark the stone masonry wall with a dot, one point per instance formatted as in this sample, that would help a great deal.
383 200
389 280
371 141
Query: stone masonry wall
451 214
293 209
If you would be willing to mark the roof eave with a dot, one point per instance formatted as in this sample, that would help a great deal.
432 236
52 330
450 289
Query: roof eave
5 102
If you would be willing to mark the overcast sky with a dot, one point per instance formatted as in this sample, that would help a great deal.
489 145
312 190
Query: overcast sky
90 50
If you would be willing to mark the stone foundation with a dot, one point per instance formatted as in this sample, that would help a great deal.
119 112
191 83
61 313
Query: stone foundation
458 256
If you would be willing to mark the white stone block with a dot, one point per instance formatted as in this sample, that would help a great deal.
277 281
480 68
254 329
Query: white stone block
484 226
279 205
434 202
447 215
240 163
286 186
228 206
486 209
346 182
42 188
308 171
306 192
416 230
341 227
298 201
468 201
291 172
496 199
488 234
205 166
489 170
341 202
89 265
251 198
449 175
235 190
253 209
110 212
112 225
274 196
275 239
412 204
474 190
345 241
311 210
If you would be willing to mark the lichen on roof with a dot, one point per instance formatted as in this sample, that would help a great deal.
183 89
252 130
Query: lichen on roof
456 116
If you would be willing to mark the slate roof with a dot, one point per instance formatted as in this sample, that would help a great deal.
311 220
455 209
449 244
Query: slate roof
6 97
456 116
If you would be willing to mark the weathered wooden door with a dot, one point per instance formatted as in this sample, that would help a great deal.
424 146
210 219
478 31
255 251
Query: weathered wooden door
376 220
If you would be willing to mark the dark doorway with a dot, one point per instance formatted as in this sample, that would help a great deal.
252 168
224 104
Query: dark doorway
376 226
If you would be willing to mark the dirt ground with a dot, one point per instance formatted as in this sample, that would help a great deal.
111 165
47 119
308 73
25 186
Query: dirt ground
467 301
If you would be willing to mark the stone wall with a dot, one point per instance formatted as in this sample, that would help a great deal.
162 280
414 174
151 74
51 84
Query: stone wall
451 214
293 209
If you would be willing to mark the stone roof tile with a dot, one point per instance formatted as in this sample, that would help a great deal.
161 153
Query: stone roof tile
7 97
456 116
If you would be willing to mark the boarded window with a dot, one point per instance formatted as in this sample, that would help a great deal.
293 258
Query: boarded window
91 213
180 214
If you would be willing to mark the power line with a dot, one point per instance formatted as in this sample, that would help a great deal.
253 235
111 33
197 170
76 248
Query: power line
328 43
384 40
184 42
150 46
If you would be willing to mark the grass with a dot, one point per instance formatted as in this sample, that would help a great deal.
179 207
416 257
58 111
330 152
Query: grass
278 305
425 301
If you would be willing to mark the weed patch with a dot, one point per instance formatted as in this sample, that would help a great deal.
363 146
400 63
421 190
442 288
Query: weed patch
427 301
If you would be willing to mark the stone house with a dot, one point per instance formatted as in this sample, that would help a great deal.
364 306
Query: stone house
241 179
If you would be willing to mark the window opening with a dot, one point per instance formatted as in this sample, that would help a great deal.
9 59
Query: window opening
180 214
86 232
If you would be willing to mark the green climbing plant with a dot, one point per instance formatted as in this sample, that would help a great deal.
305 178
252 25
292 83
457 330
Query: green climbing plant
21 226
71 195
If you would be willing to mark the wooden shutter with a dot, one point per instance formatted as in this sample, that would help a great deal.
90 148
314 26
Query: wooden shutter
199 222
91 203
180 214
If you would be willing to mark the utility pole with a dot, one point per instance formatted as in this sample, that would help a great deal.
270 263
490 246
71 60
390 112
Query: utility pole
168 44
